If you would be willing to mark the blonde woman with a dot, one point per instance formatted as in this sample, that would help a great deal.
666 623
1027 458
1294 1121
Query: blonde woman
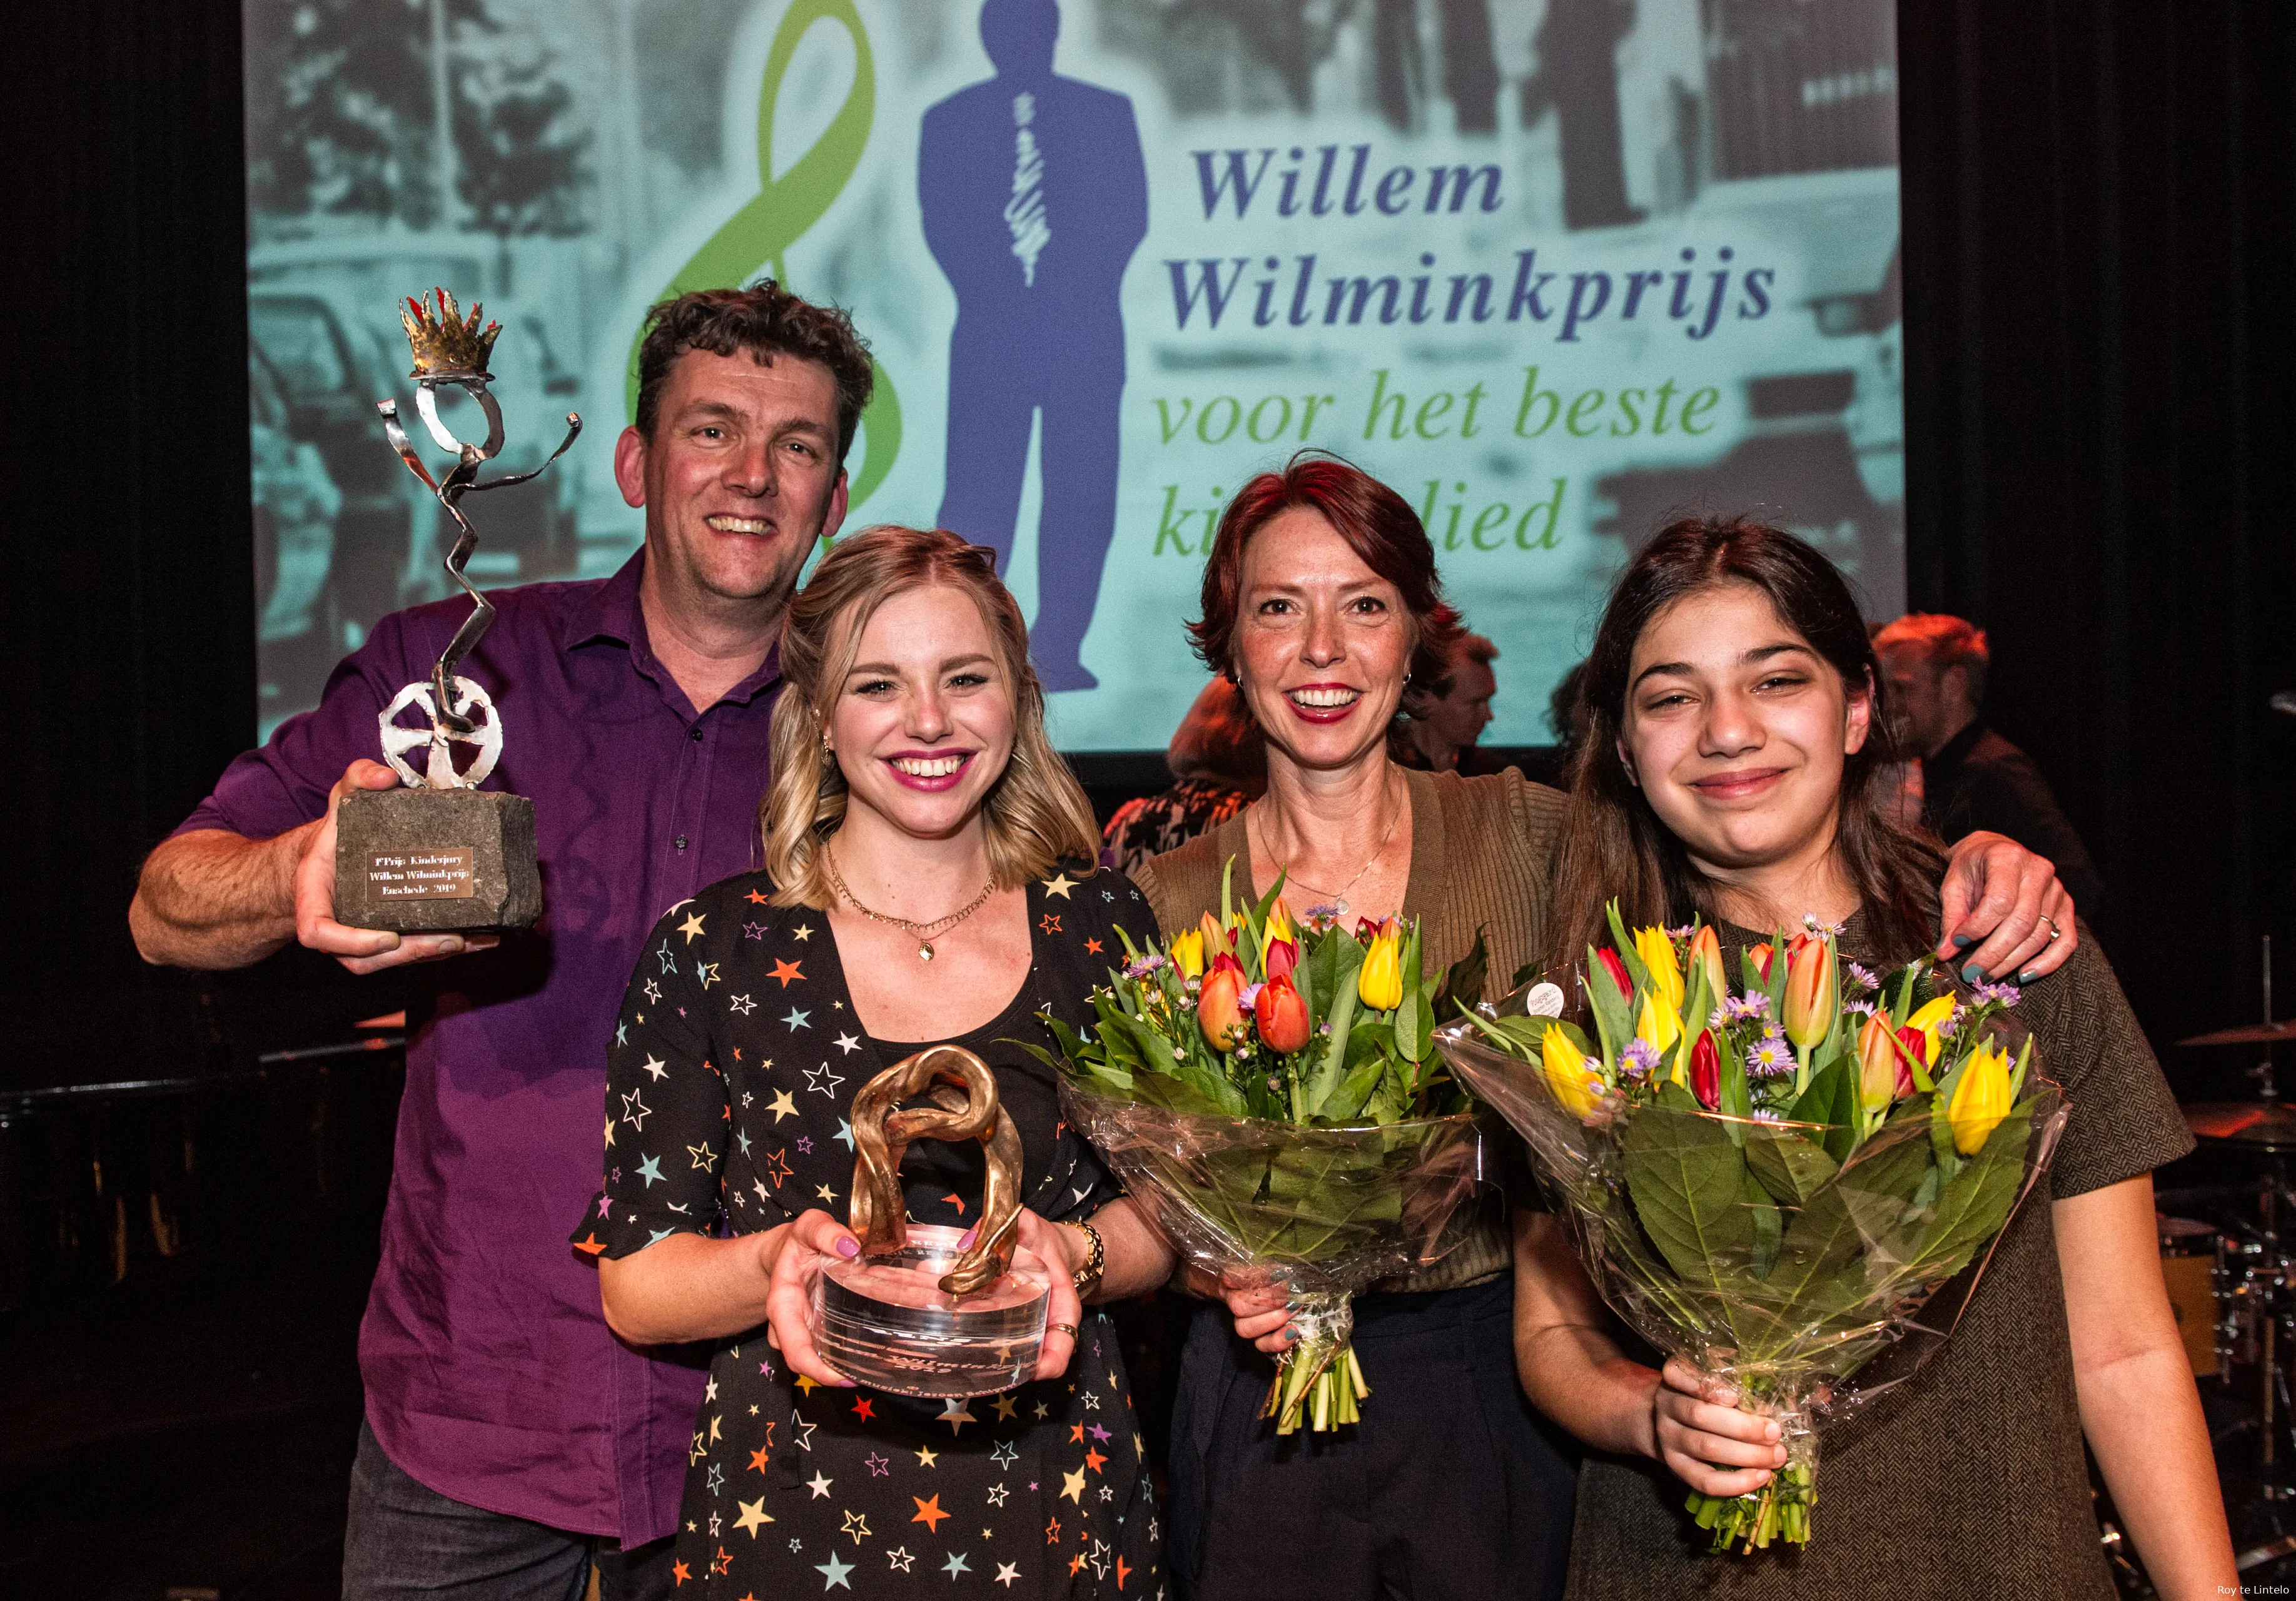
928 878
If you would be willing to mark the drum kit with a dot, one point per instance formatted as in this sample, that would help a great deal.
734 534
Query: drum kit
2232 1281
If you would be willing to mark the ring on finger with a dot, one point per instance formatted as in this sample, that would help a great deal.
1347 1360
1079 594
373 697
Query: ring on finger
2053 930
1070 1329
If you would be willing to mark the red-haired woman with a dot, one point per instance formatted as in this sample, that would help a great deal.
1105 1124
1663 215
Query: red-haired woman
1320 601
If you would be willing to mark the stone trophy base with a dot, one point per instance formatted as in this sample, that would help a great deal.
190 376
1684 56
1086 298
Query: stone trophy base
436 861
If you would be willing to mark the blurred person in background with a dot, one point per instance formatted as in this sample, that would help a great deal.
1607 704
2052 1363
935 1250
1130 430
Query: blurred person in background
1220 762
1971 778
1442 721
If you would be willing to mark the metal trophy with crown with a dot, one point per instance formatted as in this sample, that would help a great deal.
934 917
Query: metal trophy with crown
441 854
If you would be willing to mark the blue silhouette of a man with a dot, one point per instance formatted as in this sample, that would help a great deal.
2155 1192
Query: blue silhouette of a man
1035 195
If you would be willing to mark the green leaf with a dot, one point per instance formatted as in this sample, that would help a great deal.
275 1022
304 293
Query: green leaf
1769 1227
1327 1074
1612 1018
1624 944
1974 1203
1832 1099
1367 1065
1790 1167
1688 1185
1462 982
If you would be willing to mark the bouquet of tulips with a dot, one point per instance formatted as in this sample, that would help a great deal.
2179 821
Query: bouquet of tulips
1773 1182
1269 1089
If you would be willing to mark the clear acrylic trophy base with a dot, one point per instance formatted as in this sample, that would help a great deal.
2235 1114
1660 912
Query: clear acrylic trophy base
884 1322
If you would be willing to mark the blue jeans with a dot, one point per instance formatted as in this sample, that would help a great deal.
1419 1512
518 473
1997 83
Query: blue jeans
405 1539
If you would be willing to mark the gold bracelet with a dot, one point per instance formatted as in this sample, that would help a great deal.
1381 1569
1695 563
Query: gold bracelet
1087 1277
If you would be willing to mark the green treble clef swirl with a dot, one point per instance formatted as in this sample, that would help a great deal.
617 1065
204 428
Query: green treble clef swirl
755 237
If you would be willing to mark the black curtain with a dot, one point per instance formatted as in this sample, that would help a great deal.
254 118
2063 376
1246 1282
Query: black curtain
2100 272
129 592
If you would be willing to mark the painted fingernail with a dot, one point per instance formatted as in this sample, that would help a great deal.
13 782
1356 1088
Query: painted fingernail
1963 942
2028 976
1972 974
965 1241
849 1247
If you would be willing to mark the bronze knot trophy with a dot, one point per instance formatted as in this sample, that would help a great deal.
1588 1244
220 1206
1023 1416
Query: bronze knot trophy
925 1309
442 854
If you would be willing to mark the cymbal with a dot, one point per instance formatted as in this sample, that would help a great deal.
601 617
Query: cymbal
2254 1033
2265 1124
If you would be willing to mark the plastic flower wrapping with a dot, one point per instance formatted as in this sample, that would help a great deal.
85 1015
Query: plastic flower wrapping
1775 1183
1268 1089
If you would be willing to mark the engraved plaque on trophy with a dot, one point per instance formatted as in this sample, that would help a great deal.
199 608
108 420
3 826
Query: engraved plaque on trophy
924 1309
442 854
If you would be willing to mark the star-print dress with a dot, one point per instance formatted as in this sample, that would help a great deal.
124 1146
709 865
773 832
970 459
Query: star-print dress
730 1083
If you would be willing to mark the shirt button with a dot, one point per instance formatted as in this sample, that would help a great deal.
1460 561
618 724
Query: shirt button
679 841
697 737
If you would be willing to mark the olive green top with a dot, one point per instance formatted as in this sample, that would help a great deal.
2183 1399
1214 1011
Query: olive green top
1482 853
1967 1479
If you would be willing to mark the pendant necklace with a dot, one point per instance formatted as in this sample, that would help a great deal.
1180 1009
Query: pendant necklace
1339 901
926 933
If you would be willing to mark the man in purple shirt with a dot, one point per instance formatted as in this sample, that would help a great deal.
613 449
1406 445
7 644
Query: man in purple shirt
508 1433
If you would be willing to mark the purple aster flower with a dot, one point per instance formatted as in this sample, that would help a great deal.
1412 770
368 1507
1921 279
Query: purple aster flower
2007 994
1250 994
1763 1114
1860 978
1864 1008
1769 1057
1640 1058
1140 967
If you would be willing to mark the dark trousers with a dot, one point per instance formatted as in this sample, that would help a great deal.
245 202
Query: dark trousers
1000 373
405 1539
1451 1488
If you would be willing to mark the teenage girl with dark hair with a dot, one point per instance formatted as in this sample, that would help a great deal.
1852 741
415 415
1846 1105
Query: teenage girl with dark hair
1736 769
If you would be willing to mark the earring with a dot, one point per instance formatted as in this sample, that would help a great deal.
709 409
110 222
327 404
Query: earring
827 748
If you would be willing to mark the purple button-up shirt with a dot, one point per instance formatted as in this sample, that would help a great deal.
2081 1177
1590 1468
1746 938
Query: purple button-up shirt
490 1374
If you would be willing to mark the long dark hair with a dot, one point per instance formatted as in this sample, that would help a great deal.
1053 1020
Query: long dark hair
1614 844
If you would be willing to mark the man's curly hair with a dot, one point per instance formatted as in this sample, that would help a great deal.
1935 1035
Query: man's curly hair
766 321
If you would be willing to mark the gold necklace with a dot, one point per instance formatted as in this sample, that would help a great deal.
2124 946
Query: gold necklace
926 933
1339 900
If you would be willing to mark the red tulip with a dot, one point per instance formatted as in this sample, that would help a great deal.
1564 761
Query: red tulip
1706 1070
1226 961
1283 1015
1916 1044
1367 930
1282 956
1219 1009
1618 972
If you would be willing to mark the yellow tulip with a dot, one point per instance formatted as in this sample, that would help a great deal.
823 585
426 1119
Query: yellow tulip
1188 953
1380 983
1658 1024
1278 926
1568 1074
1926 1018
1980 1100
1657 952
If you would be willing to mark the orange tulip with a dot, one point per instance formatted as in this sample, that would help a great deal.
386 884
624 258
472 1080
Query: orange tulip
1812 991
1281 1015
1879 1069
1706 952
1761 955
1220 1008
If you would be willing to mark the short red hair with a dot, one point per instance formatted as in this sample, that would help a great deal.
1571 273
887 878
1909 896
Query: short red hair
1378 525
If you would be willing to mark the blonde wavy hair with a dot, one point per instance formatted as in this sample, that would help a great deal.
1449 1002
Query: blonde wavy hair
1035 815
